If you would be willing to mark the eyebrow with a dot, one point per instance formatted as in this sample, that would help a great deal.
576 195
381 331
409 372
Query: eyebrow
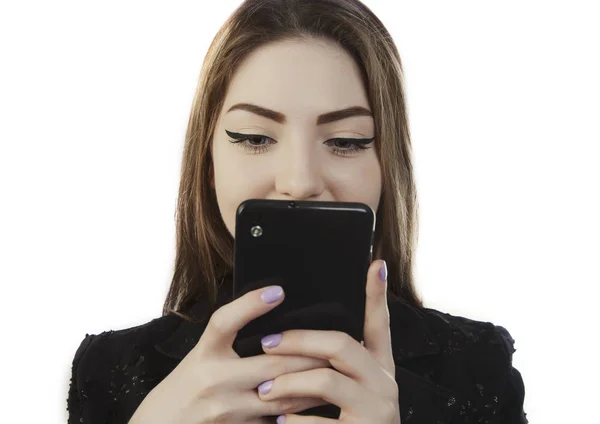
325 118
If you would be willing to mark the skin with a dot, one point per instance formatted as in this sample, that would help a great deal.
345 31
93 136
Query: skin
295 161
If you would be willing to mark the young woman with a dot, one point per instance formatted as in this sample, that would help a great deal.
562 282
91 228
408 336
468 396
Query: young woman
298 100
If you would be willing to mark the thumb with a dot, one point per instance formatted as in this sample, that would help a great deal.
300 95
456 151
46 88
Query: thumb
377 335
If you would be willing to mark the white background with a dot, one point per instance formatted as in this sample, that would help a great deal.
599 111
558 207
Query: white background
503 101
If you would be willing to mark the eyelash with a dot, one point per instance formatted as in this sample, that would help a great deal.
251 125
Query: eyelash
356 144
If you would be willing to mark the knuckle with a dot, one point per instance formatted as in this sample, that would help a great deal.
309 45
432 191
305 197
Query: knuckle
218 321
278 365
341 342
218 411
292 405
210 379
319 363
207 390
326 380
283 406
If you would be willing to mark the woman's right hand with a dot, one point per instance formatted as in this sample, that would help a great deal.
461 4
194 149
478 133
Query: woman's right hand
212 384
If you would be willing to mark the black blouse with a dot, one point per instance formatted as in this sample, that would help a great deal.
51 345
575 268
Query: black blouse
449 369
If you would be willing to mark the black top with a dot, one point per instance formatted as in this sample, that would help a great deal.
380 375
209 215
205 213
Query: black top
449 369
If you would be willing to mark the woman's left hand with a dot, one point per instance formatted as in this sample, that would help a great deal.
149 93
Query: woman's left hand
362 383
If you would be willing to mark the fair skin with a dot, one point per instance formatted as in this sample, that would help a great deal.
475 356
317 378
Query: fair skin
293 159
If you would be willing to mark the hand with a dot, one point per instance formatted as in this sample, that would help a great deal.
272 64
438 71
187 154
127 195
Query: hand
363 382
213 384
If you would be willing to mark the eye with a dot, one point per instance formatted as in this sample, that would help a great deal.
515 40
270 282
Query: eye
254 143
349 146
256 140
341 143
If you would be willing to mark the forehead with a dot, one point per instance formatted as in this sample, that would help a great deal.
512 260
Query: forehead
299 78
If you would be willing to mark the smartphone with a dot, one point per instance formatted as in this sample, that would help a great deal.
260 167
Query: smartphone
319 252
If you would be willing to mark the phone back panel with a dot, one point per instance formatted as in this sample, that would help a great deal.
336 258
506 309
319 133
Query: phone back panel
318 251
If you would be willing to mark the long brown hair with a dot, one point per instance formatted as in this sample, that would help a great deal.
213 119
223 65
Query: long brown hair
204 245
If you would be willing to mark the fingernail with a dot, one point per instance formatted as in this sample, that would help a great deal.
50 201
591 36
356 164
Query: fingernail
271 340
272 294
280 419
383 272
265 387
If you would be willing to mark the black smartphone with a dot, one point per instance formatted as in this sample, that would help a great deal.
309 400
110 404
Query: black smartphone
319 252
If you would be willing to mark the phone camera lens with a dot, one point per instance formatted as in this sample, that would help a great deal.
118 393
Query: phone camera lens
256 231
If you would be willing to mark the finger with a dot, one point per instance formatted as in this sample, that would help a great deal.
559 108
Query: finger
343 352
249 408
324 383
226 321
249 404
253 370
377 335
303 419
284 406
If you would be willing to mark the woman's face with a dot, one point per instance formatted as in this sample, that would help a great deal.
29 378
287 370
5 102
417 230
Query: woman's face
292 155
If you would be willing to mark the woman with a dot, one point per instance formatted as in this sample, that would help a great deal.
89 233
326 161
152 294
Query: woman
286 90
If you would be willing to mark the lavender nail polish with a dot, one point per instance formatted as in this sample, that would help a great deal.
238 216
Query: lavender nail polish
280 419
272 294
265 387
271 340
383 272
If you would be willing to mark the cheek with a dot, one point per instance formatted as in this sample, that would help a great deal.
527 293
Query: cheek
237 179
359 181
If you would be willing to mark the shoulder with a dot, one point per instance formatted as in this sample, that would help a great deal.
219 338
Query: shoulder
484 350
473 360
459 331
111 345
96 351
426 331
112 371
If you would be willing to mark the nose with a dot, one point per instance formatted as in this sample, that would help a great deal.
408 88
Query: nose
300 175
